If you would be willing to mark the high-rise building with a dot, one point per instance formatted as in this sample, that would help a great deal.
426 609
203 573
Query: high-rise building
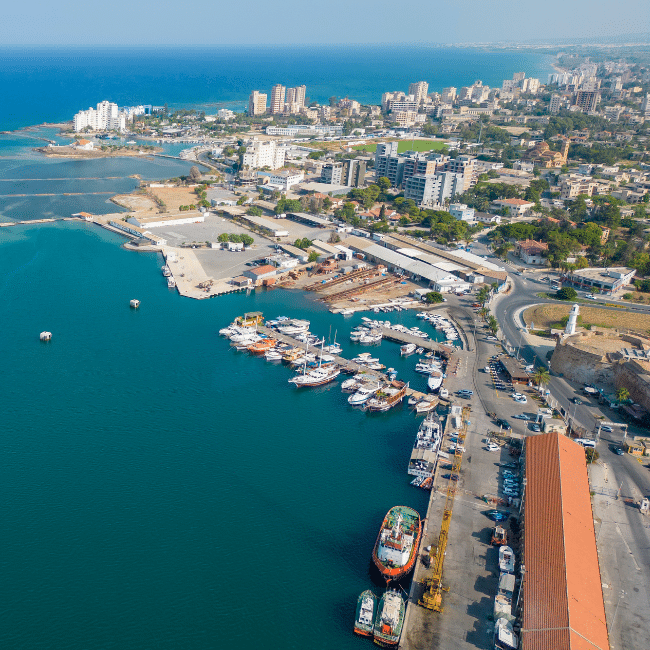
419 91
353 173
277 99
448 95
518 76
295 99
106 117
257 103
331 173
645 105
554 106
587 100
433 189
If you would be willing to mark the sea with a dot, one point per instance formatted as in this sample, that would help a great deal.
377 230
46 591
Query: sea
160 490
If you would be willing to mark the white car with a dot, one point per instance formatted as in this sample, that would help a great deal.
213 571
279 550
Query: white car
492 447
521 416
521 400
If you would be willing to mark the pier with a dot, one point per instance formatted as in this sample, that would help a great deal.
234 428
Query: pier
403 338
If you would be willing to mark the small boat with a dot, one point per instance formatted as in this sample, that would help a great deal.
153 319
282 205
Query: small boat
366 608
390 619
363 394
434 382
419 351
413 400
134 303
427 483
408 348
171 283
45 336
335 348
292 354
350 384
273 355
424 406
166 271
506 559
427 368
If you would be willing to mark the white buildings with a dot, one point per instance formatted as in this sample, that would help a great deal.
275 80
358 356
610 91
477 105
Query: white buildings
106 117
284 181
295 99
433 189
305 130
278 93
419 91
461 212
256 103
264 153
225 114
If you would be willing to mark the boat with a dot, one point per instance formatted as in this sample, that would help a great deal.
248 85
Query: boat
134 303
350 384
506 559
171 283
408 348
362 395
419 351
346 312
444 393
335 348
413 400
371 337
273 355
390 619
317 377
435 381
45 336
293 354
366 608
429 433
396 547
293 326
424 406
387 397
166 271
427 368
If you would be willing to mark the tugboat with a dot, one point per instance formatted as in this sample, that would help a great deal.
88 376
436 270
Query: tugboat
390 619
366 607
397 543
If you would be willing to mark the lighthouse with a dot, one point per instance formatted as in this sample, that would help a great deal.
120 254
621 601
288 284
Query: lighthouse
573 321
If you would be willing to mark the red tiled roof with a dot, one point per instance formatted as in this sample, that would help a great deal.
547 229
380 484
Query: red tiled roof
261 270
563 604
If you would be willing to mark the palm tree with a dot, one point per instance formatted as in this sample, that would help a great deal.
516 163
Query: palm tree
493 324
541 377
483 312
622 394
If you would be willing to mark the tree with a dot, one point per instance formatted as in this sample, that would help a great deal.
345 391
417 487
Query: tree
242 199
591 455
303 243
223 237
492 324
541 377
247 240
313 257
434 297
255 211
383 183
195 174
234 238
566 293
622 394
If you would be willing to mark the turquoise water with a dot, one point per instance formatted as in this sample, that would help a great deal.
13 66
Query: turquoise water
213 77
161 490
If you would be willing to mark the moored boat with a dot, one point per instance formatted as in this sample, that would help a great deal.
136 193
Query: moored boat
362 394
366 607
408 348
435 381
390 619
166 271
316 377
387 397
396 547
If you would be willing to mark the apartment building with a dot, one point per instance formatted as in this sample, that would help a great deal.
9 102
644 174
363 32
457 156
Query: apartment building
419 91
278 93
295 99
433 189
462 212
353 173
264 153
257 103
331 173
645 105
106 117
587 100
464 165
448 95
575 185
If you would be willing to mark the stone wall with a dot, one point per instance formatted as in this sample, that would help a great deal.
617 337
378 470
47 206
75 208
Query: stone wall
580 365
631 375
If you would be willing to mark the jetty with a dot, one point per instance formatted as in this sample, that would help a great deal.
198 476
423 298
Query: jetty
429 345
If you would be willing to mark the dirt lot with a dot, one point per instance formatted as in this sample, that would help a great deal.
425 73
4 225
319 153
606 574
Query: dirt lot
544 316
136 202
175 196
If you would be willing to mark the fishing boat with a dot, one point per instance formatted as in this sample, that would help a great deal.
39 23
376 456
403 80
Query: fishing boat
366 608
317 377
362 395
166 271
390 619
171 283
387 397
506 559
396 547
408 348
262 346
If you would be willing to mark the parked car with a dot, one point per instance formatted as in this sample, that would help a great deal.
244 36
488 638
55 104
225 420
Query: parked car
492 447
576 400
521 400
497 515
619 451
465 391
521 416
504 424
606 428
535 427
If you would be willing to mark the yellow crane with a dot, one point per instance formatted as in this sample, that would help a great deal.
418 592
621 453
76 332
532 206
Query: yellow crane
432 597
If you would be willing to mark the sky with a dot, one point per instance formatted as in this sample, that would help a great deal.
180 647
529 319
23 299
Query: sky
215 22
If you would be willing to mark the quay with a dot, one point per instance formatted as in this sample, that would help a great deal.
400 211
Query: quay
432 346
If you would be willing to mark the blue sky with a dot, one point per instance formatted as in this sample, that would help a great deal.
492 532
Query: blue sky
214 22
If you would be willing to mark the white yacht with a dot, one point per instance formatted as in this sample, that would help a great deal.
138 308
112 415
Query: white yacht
434 382
363 394
316 377
171 283
166 271
293 326
408 348
273 355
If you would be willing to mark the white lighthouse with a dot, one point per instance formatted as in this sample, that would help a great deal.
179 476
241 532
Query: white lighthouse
573 321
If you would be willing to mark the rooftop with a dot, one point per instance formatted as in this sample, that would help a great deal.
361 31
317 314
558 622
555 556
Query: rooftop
263 270
563 604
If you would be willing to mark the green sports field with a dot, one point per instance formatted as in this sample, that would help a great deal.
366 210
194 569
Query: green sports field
407 145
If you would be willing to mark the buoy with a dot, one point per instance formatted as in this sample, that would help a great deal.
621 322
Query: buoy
46 336
135 304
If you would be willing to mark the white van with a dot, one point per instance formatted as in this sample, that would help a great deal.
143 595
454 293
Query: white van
585 442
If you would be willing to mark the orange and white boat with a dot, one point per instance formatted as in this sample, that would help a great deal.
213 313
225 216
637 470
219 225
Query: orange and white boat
397 544
262 346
